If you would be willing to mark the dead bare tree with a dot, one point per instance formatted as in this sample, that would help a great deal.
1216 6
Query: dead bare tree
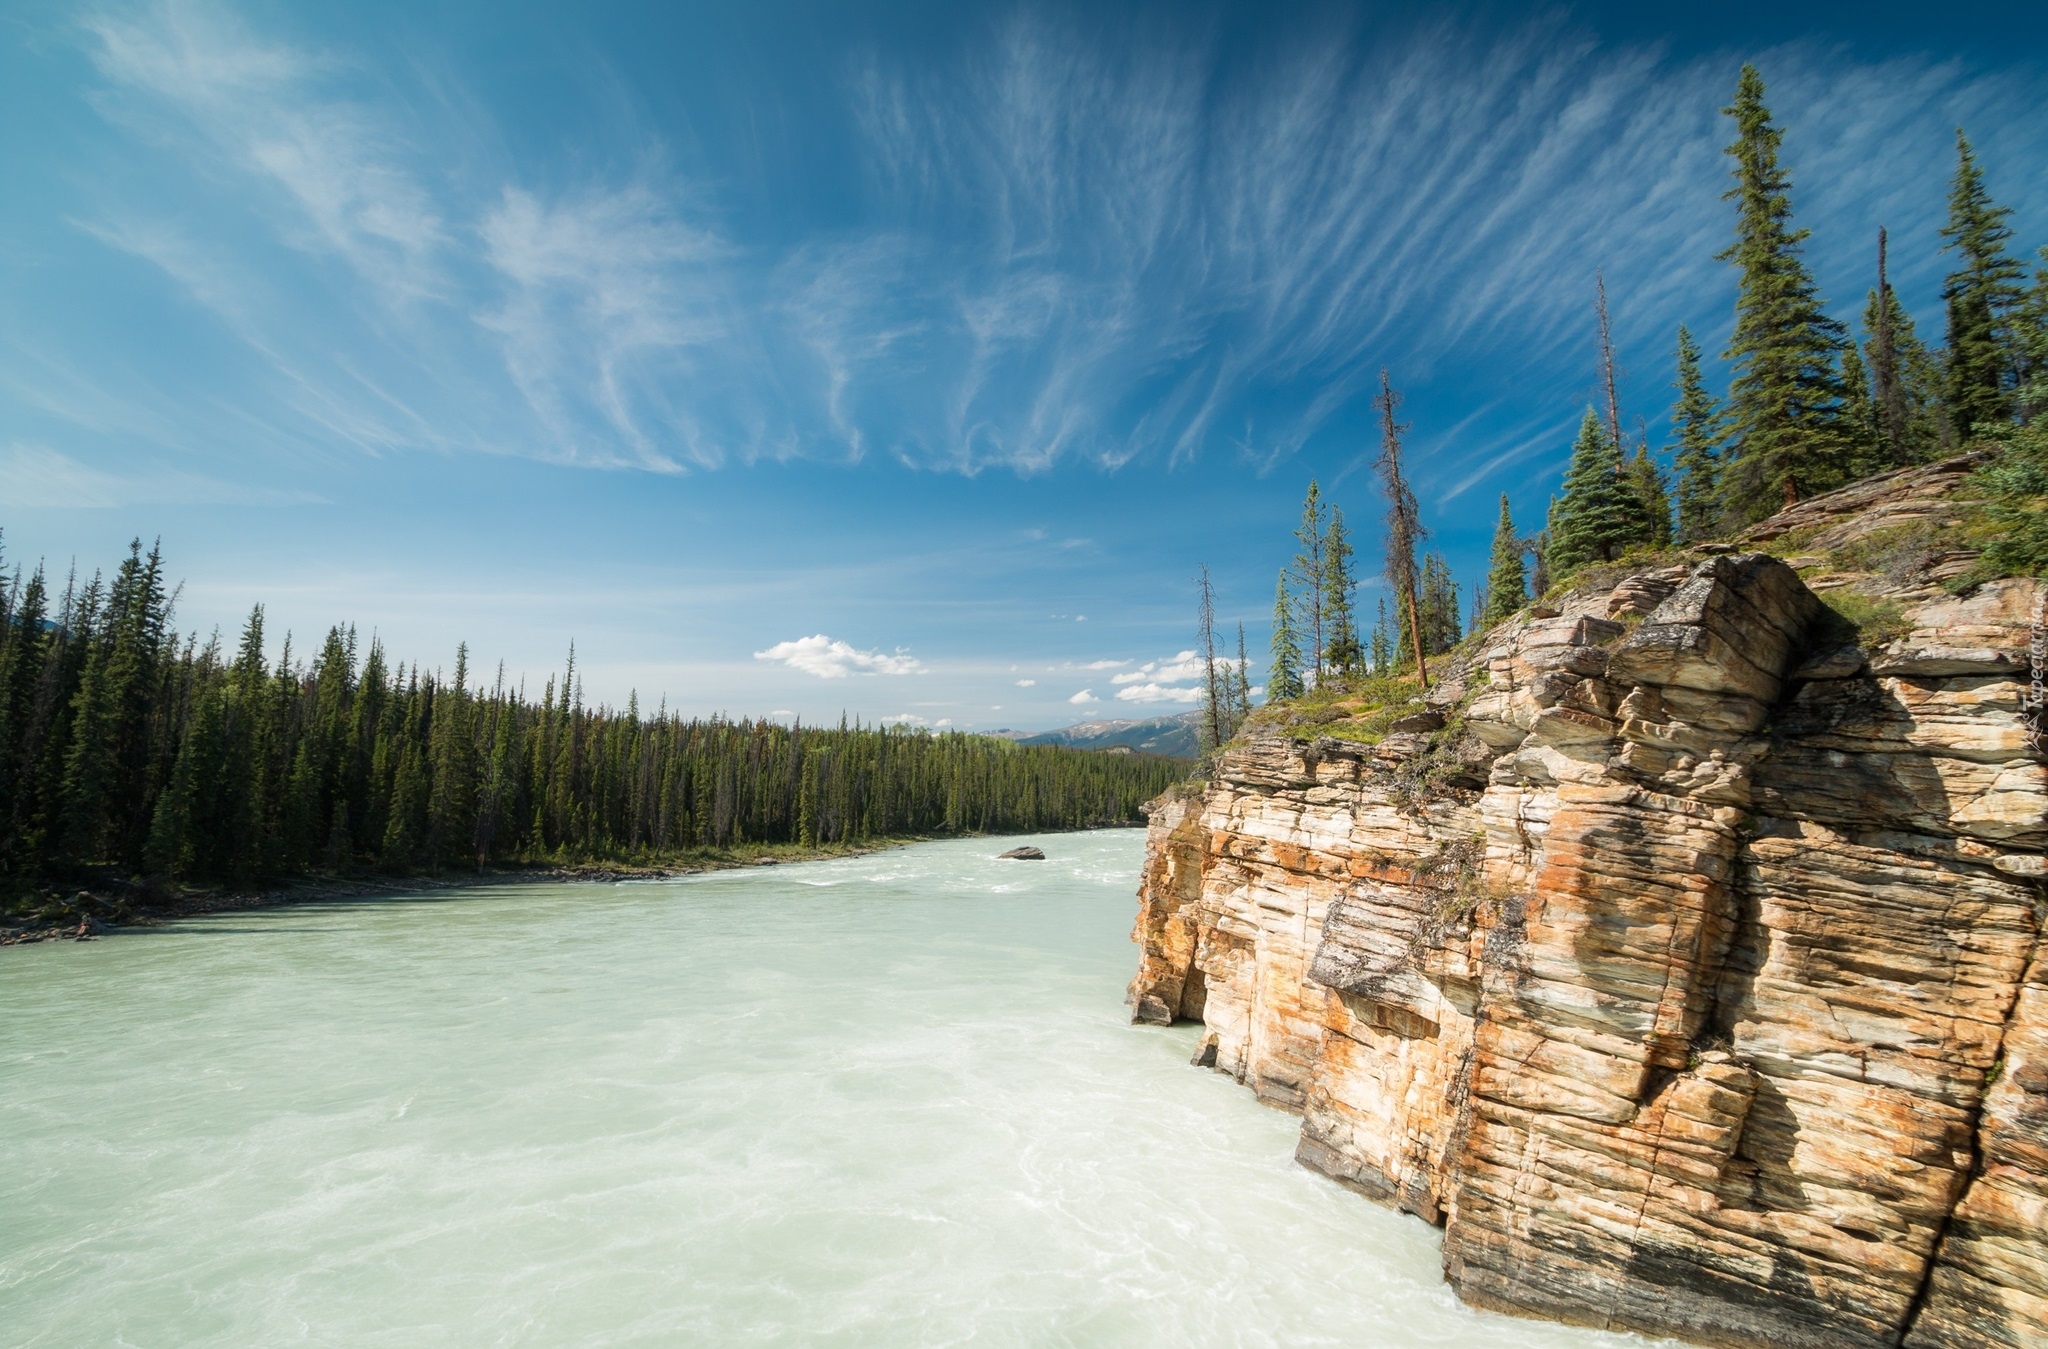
1607 365
1214 688
1404 519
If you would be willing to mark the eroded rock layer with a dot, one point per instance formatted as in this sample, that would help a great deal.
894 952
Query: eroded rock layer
1683 960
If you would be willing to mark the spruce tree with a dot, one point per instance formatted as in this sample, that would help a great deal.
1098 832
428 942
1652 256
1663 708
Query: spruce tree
1905 395
1382 642
1506 580
1283 680
1859 416
1592 520
2015 484
21 674
1308 576
1440 628
89 757
1982 294
1341 654
451 809
2030 344
1648 497
1784 403
1697 456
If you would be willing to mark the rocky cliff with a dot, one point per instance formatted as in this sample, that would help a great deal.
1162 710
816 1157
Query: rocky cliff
1681 956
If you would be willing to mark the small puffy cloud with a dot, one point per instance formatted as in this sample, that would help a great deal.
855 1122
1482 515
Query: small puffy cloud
1169 671
1104 664
1156 693
1084 696
943 721
904 719
821 656
1026 683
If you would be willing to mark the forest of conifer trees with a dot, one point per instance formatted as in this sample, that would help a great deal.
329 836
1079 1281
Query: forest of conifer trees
126 745
1810 407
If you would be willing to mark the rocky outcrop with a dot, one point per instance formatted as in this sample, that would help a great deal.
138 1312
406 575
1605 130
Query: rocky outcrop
1718 1010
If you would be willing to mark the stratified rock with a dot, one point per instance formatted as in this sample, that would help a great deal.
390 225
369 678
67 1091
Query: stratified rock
1922 495
1684 1023
1990 1280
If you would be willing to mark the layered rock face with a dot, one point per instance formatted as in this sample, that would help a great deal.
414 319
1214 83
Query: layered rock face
1689 972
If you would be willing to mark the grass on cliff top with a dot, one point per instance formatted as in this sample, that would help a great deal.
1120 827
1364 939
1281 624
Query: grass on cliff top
1351 707
1870 621
1604 576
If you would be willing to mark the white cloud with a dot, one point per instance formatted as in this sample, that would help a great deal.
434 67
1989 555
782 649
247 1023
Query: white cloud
1083 697
903 719
1157 693
1080 250
1172 670
264 108
821 656
609 297
1100 665
1026 683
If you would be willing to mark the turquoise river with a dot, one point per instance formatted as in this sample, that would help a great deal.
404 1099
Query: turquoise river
892 1100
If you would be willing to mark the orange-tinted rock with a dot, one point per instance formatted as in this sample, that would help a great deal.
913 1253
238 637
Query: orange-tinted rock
1685 1023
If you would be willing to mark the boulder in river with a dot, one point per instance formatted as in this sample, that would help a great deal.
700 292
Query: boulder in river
1024 855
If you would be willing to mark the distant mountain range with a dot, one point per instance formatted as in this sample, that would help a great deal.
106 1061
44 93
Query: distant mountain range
1173 735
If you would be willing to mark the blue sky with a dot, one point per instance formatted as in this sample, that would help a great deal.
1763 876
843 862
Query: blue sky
900 359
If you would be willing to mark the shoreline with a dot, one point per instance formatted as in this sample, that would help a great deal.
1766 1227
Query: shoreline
129 904
124 911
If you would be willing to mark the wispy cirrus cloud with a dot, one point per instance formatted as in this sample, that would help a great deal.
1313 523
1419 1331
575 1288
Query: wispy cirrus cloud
40 478
828 659
1074 243
612 303
339 170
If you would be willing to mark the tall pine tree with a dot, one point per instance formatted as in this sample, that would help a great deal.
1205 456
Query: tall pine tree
1341 654
1309 577
1648 496
1507 582
1283 680
1905 386
1784 404
1982 293
1440 629
1595 517
1697 456
2030 331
